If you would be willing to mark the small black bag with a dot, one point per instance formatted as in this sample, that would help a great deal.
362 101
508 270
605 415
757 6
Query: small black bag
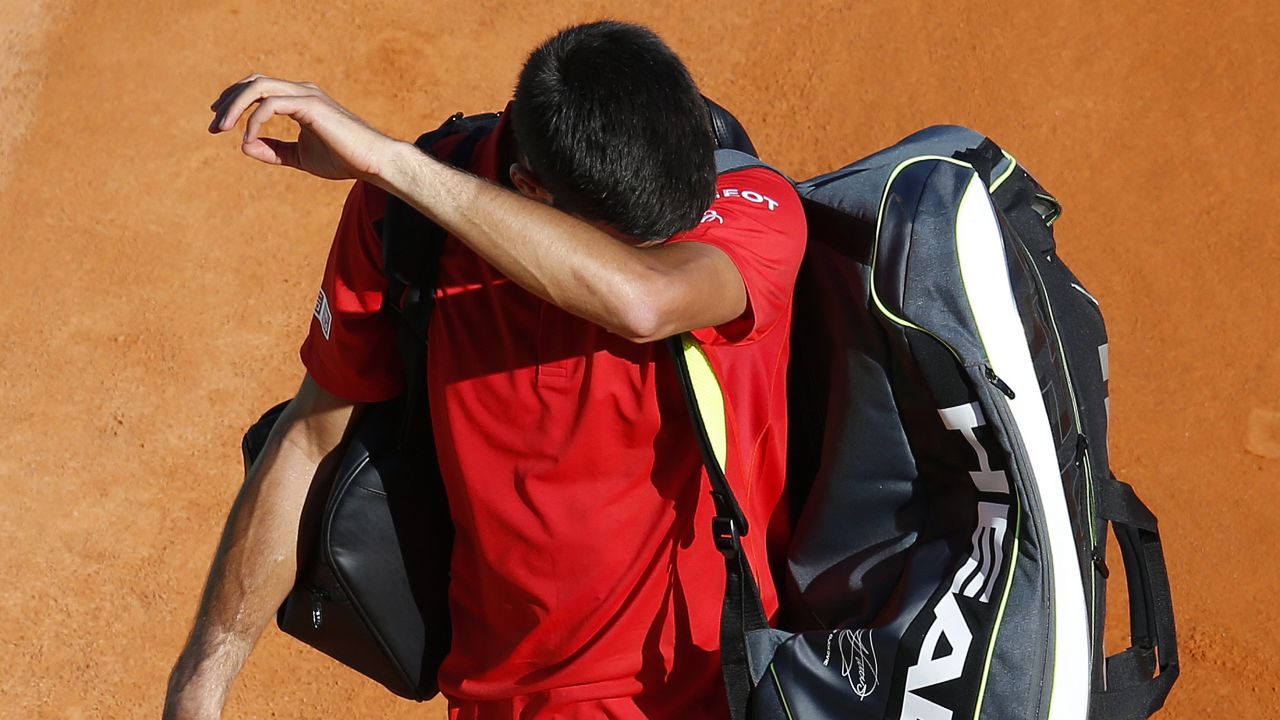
355 598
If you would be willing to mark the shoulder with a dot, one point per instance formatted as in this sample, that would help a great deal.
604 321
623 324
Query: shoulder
357 239
754 200
367 199
759 191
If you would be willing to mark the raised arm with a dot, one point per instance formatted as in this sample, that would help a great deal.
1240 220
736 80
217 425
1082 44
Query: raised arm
256 560
639 293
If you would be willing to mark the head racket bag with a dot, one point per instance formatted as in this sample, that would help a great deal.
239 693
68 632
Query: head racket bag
948 462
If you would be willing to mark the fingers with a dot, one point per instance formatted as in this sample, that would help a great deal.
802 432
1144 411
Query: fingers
233 101
234 86
272 151
293 106
332 144
217 105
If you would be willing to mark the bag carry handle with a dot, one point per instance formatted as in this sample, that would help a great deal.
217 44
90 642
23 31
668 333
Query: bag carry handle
1133 690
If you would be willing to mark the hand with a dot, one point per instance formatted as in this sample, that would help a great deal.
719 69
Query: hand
332 143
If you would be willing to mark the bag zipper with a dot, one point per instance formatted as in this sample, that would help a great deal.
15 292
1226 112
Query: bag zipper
318 598
1082 443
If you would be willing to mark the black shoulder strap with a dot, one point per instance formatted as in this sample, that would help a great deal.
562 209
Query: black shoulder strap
730 160
411 248
729 133
411 243
743 610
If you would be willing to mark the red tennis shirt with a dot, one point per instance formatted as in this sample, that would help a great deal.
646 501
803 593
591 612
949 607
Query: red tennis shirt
585 582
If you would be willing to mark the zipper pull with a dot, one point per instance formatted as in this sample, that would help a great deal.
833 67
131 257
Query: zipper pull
999 384
1100 563
317 608
1082 447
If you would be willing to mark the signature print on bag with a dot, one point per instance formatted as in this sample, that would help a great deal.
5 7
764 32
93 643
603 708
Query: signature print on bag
858 663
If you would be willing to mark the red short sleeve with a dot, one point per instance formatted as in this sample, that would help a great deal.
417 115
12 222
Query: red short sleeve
350 349
757 220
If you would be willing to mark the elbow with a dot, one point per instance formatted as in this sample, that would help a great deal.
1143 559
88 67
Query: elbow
642 316
642 325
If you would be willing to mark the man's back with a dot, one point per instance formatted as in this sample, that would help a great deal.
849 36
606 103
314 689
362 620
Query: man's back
584 580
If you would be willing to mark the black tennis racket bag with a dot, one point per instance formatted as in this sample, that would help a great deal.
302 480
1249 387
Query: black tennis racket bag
949 466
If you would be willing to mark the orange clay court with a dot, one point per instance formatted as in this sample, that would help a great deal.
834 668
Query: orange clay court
156 284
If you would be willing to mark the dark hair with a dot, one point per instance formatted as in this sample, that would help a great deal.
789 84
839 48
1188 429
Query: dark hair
609 119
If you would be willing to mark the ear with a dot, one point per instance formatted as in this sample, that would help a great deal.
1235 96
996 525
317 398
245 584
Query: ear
527 183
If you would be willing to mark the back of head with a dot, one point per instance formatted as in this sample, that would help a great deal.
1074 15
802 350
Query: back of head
611 122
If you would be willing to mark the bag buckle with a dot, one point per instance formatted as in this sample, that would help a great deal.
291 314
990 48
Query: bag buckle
725 532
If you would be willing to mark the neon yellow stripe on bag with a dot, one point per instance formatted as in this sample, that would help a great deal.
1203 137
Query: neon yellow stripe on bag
710 396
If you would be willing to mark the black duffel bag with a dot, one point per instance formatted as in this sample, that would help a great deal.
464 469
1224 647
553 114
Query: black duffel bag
355 598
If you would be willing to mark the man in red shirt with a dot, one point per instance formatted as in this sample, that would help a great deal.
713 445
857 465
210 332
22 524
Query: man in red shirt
585 582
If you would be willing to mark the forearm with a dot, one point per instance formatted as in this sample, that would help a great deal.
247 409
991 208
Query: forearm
549 253
252 571
254 565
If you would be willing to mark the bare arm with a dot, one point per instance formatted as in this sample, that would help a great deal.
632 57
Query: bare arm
640 293
256 560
